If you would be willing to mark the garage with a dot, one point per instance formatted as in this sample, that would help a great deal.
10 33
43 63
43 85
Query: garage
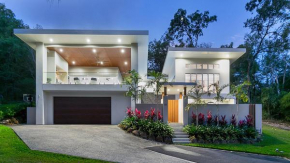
82 110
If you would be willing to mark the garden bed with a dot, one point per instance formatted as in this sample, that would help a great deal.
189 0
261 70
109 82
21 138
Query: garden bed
148 126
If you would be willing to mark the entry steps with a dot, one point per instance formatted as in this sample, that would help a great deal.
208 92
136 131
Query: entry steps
179 136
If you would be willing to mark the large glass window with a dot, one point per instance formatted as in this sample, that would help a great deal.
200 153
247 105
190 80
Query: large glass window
199 66
199 79
210 66
193 78
202 66
187 77
203 79
205 82
216 66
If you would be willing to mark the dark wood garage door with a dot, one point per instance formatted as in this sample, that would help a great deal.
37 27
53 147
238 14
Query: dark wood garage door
82 110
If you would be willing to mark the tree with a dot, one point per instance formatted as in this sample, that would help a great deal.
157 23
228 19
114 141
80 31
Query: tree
231 45
17 60
186 29
196 93
285 105
156 80
240 92
217 90
270 20
157 53
135 90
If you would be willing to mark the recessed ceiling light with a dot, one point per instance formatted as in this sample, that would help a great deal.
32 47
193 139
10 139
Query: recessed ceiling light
122 51
181 55
51 40
88 40
60 50
168 90
227 55
177 89
119 40
94 50
73 62
125 63
101 62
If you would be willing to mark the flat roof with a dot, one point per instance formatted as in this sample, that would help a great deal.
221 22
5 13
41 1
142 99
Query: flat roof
202 53
81 37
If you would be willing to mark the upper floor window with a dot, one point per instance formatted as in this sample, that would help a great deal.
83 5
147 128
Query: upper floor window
203 79
202 66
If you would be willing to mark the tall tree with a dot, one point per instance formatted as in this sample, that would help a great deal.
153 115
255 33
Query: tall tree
17 66
186 29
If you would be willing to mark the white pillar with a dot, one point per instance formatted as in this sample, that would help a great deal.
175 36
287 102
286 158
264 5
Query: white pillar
41 67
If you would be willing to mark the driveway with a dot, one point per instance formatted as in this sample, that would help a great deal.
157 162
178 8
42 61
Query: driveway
108 142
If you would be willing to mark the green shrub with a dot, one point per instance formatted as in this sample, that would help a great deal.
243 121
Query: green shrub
16 110
217 133
285 105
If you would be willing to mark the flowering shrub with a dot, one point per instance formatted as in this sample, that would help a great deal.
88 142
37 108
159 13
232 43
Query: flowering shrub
215 120
149 126
146 114
209 118
159 116
193 116
249 120
152 113
233 120
138 113
223 120
200 118
242 123
129 112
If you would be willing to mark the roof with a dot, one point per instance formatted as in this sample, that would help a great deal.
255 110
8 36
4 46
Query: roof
81 37
214 53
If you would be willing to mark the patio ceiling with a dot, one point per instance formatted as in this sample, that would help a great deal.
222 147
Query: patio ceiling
96 57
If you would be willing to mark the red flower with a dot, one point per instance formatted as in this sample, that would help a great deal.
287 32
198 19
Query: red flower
159 115
152 113
209 117
138 113
146 114
129 112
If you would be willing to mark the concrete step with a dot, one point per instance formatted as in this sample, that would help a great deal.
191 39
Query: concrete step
180 139
180 136
175 124
177 129
180 133
181 142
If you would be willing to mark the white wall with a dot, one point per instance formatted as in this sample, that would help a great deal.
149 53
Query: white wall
224 69
51 68
60 62
119 103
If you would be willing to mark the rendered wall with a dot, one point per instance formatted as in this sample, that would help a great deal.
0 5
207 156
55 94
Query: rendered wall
119 103
224 69
31 115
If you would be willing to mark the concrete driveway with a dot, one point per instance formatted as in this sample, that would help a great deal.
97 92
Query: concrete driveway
108 142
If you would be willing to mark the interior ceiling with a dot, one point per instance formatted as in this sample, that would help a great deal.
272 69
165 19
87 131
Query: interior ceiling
110 57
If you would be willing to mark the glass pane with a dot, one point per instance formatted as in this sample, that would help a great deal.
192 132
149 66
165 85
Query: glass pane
204 66
216 78
192 66
199 79
199 66
187 77
193 78
216 66
210 81
205 82
210 66
187 66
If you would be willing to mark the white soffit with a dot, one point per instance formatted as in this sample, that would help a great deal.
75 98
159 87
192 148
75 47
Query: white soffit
202 53
81 37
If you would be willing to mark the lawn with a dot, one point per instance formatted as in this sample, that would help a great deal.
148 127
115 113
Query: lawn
273 138
12 149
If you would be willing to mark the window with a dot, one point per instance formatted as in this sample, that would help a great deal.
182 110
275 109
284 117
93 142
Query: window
204 66
190 66
216 66
199 79
187 77
210 66
193 78
210 81
205 82
216 78
199 66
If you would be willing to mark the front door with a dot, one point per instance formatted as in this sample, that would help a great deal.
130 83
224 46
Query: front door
173 111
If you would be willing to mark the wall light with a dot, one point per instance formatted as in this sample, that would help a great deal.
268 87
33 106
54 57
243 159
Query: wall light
51 40
122 51
94 50
88 40
119 40
73 62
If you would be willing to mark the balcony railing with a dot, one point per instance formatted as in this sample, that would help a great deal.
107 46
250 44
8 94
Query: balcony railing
82 78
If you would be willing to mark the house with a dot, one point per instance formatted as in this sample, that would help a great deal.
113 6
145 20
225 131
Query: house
79 75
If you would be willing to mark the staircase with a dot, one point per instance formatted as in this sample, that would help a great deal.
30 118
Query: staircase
179 136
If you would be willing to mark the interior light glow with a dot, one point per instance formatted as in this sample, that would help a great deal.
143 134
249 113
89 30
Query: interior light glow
122 51
73 62
94 50
51 40
102 62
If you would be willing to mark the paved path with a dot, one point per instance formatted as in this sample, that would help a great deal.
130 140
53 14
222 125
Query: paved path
108 142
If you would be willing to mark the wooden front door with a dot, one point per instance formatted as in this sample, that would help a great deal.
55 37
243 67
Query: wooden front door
173 111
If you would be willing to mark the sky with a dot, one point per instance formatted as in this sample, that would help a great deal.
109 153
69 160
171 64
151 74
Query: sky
152 15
